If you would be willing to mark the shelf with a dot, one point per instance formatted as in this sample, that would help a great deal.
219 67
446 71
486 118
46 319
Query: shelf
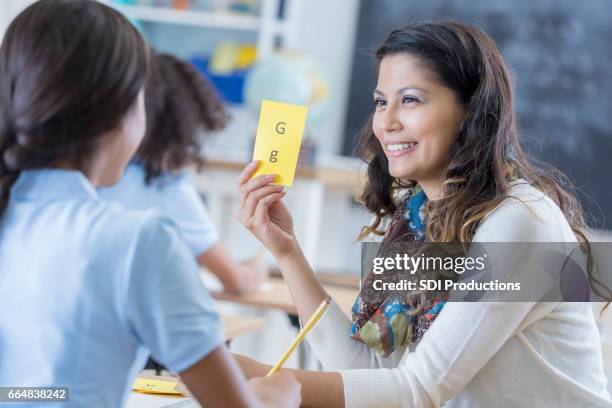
348 179
221 20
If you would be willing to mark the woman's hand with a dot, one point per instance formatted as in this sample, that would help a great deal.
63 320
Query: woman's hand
263 213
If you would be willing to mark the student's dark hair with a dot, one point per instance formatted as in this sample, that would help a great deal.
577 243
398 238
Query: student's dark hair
181 104
70 70
487 152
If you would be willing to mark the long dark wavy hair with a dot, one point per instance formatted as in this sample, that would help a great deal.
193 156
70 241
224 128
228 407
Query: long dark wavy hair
181 104
487 152
70 70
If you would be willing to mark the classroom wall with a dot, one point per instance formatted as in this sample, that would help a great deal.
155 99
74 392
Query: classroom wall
327 32
316 33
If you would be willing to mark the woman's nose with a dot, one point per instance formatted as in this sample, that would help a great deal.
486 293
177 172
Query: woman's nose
390 120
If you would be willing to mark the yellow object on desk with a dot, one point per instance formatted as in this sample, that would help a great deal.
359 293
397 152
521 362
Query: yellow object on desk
278 140
314 319
155 386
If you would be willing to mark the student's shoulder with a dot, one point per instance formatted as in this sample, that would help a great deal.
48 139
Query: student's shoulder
526 214
118 224
135 186
136 173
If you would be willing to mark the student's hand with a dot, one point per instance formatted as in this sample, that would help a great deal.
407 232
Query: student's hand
251 368
263 213
280 390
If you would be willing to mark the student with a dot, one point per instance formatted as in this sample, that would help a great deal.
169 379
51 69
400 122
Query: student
88 289
444 126
180 105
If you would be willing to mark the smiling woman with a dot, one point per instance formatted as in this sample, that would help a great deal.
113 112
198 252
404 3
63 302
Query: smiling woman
445 164
415 121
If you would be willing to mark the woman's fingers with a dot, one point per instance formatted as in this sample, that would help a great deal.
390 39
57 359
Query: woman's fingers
253 185
261 211
247 172
256 195
251 200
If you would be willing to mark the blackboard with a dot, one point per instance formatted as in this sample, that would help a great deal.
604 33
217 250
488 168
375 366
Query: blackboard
560 56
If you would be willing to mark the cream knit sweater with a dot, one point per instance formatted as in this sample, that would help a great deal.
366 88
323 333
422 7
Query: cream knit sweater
482 354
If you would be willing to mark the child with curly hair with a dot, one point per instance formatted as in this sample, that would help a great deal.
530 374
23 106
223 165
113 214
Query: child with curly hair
181 105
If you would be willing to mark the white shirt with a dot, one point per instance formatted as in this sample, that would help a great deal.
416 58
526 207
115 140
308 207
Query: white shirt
482 354
172 195
88 289
604 321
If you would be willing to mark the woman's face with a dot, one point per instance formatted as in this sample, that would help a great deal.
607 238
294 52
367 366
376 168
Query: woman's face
416 118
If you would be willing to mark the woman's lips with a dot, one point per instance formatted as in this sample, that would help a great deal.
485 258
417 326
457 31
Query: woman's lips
400 149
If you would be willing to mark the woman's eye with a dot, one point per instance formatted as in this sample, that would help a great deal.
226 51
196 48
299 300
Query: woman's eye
409 99
379 103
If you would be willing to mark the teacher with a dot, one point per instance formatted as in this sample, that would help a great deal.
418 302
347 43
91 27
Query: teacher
445 164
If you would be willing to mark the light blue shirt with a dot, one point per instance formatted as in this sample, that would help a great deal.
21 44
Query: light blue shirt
171 195
87 289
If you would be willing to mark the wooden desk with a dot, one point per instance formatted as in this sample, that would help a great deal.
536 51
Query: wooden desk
329 278
348 178
276 296
236 326
233 327
138 400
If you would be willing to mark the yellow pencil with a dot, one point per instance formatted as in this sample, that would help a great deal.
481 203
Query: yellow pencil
311 323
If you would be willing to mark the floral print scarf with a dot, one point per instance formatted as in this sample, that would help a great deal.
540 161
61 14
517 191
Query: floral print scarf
383 320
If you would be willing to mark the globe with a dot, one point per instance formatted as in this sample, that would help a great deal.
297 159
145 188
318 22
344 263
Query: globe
290 78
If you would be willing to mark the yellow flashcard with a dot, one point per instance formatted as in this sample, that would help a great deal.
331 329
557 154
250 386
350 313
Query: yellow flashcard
278 140
153 386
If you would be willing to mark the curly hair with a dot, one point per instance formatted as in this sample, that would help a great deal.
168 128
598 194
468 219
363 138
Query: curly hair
180 103
69 73
487 150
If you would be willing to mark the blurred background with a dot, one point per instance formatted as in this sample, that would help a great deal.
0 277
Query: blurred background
319 53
